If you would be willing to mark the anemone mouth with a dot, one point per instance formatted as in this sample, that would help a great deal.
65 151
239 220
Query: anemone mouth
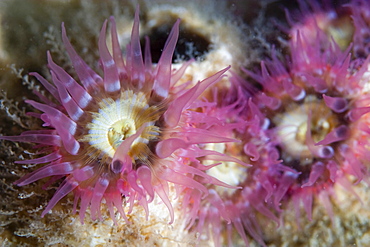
118 118
302 124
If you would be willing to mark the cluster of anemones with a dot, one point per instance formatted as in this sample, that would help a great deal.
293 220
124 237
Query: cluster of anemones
124 138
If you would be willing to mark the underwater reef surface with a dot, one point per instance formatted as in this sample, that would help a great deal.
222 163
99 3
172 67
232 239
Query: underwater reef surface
165 123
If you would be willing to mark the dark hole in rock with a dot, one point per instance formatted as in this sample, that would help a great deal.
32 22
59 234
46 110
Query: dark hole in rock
191 44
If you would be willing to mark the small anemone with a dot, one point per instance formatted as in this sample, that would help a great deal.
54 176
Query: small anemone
226 208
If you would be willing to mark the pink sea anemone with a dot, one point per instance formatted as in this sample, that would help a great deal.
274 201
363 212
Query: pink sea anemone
317 122
124 137
209 215
226 210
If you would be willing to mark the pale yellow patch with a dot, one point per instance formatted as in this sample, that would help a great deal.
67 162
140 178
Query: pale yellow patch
230 173
292 126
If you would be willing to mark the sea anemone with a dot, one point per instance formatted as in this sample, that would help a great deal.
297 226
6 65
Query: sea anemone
315 110
123 137
228 214
211 214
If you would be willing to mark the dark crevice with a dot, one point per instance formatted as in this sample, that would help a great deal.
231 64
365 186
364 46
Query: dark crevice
191 44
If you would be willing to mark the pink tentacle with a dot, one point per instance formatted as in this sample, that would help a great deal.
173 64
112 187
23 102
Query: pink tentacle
52 90
78 93
73 110
46 171
89 79
136 59
163 78
65 127
65 188
44 139
117 52
111 79
45 159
